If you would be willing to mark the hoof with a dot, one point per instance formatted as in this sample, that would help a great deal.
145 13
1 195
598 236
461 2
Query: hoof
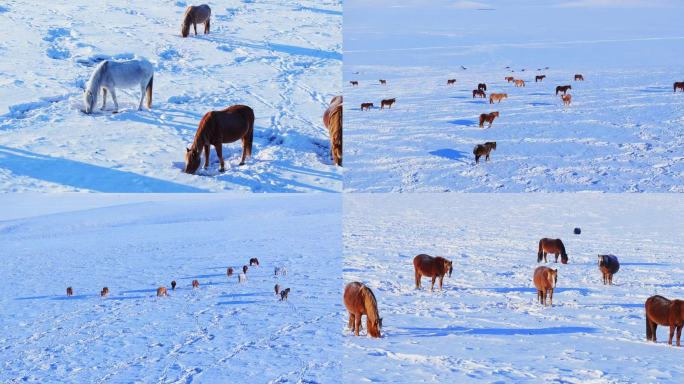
222 170
243 163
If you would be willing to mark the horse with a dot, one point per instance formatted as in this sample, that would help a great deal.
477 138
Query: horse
489 118
70 291
332 119
244 269
479 93
563 88
678 85
451 81
284 293
545 280
161 291
554 246
509 79
280 271
253 261
387 102
497 97
434 267
173 285
104 292
608 265
360 300
539 78
579 77
661 311
577 230
482 86
483 150
123 74
195 284
383 82
277 289
216 128
229 271
242 278
519 83
354 83
566 99
200 14
367 106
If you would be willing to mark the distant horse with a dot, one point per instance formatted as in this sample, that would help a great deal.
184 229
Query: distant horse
332 119
479 93
483 150
161 291
661 311
242 278
200 14
123 74
70 291
104 292
519 83
434 267
545 280
360 300
577 230
366 106
554 246
489 118
678 85
509 79
277 289
579 77
253 261
280 271
229 271
284 293
566 99
173 285
244 269
563 88
383 82
195 284
387 102
216 128
539 78
451 81
354 83
482 86
497 97
608 265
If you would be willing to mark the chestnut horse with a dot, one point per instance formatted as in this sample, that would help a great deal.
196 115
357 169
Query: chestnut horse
678 85
497 97
608 265
483 150
451 81
579 77
539 78
566 99
229 271
218 127
482 86
200 14
509 79
332 119
253 261
367 106
70 291
104 292
519 83
479 93
161 291
545 280
426 265
173 285
387 102
563 88
661 311
554 246
360 300
489 118
195 284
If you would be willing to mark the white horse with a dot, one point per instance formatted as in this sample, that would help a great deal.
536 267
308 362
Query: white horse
122 74
280 271
242 278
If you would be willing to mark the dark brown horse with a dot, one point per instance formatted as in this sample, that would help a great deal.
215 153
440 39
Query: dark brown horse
244 269
195 284
488 118
554 246
360 300
482 86
479 93
332 119
509 79
451 81
483 150
678 85
70 291
104 292
219 127
563 88
277 289
539 78
229 271
354 83
387 102
434 267
366 106
173 285
253 261
545 280
383 82
194 15
661 311
608 265
579 77
284 293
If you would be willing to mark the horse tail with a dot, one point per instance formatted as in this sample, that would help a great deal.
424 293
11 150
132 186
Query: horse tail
149 92
649 332
371 306
249 136
540 254
335 131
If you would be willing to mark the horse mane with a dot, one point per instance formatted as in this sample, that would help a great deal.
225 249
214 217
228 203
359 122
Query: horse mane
562 248
201 134
95 81
187 20
371 306
335 129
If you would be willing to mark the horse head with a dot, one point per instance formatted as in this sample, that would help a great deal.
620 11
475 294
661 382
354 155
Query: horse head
448 267
192 160
553 277
88 101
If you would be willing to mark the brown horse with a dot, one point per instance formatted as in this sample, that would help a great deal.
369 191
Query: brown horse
563 88
104 292
277 289
332 119
608 265
509 79
434 267
244 269
229 271
678 85
354 83
489 118
482 86
579 77
195 284
173 285
483 150
360 300
566 99
284 293
70 291
366 106
451 81
554 246
661 311
519 83
497 97
253 261
387 102
479 93
194 15
161 291
383 82
219 127
545 280
539 78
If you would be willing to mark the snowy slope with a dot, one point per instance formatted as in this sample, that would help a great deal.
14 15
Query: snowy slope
133 244
485 326
282 58
622 132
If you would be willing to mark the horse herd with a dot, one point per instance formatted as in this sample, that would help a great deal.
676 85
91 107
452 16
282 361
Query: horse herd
216 127
242 278
359 300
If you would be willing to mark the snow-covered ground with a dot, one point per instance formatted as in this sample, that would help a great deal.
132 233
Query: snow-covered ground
282 58
622 132
486 326
133 244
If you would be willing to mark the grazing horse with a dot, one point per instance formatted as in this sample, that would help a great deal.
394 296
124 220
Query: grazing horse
280 271
161 291
216 128
242 278
563 88
195 284
277 289
244 269
229 271
104 292
554 246
678 85
497 97
360 300
519 83
383 82
545 280
509 79
566 99
579 77
253 261
366 106
483 150
479 93
332 119
489 118
608 265
123 74
482 86
70 291
539 78
661 311
200 14
173 285
387 102
354 83
434 267
451 81
577 230
284 293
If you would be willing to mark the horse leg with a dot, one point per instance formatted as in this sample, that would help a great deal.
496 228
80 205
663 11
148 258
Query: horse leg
546 261
679 333
555 254
441 279
551 297
672 329
654 326
432 287
539 296
244 151
351 321
357 324
206 26
417 280
207 152
116 103
104 98
143 88
477 159
195 26
219 152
